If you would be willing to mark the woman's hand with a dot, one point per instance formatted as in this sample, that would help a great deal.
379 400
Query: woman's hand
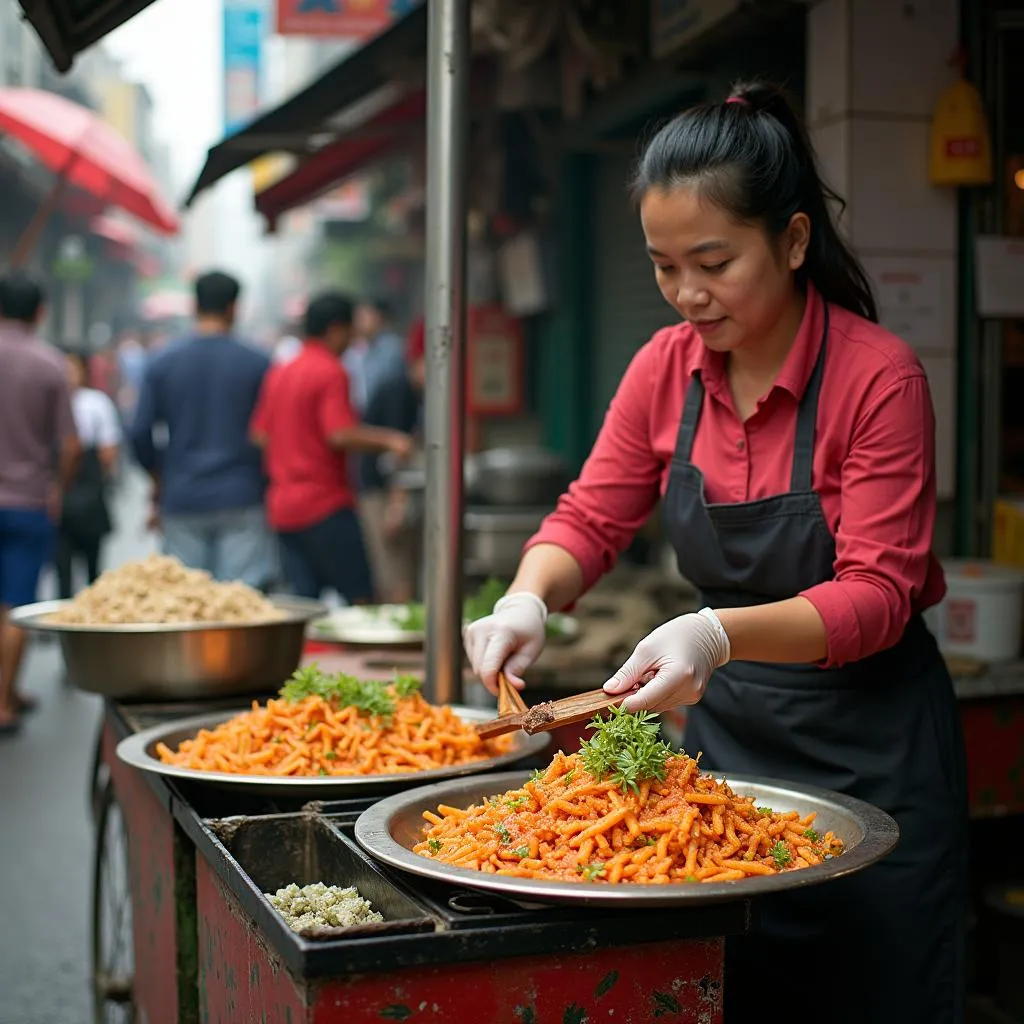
673 664
508 639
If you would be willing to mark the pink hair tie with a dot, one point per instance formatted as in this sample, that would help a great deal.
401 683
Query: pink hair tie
737 99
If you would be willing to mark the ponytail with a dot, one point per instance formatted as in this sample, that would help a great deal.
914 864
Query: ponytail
752 157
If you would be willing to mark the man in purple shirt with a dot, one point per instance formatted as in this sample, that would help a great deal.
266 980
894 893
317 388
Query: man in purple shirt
38 454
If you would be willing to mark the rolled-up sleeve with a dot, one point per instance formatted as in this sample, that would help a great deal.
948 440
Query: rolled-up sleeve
883 543
619 484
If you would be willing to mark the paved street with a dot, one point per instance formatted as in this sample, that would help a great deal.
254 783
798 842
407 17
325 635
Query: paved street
45 832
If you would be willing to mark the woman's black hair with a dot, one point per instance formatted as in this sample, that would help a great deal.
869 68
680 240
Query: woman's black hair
751 156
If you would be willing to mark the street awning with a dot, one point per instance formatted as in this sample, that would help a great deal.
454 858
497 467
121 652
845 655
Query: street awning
67 27
335 162
316 117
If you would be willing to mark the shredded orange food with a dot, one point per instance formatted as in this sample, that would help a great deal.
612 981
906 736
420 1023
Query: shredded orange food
314 736
568 826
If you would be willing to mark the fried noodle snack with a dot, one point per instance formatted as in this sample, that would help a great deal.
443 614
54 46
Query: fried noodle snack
316 736
566 825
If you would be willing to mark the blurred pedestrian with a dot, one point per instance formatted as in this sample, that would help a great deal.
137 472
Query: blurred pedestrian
131 366
306 425
85 518
35 422
208 479
383 510
378 355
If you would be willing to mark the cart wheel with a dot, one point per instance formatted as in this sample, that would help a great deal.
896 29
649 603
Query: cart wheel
113 953
99 776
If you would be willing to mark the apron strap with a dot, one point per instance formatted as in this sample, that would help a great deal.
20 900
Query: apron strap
692 404
807 419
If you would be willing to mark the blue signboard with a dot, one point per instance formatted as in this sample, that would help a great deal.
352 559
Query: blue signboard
244 31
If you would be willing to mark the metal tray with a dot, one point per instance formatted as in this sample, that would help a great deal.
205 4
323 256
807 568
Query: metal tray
390 828
364 626
139 751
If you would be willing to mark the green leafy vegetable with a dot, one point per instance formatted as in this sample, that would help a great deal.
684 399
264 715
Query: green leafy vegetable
522 851
592 871
567 777
765 810
323 771
503 833
411 617
331 755
434 844
812 835
406 685
537 775
516 802
780 854
625 748
369 696
691 878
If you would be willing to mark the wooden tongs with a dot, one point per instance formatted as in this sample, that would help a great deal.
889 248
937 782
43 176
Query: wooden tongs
514 714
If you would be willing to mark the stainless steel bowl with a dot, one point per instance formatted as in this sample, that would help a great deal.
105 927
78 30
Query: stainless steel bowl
178 661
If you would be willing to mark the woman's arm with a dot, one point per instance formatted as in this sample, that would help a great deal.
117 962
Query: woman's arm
551 573
618 487
783 632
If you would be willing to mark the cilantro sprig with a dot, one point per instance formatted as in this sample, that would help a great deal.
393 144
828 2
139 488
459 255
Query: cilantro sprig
591 872
369 696
625 749
780 854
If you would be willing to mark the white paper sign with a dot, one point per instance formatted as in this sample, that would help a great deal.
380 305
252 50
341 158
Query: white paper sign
910 300
999 276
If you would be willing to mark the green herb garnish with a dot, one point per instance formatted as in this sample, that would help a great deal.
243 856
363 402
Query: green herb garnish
331 755
434 844
591 872
538 774
406 685
410 618
691 878
625 748
323 771
516 802
522 851
780 854
368 696
765 810
503 833
567 777
812 835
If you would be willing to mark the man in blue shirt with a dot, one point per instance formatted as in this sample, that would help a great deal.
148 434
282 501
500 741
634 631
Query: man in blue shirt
201 390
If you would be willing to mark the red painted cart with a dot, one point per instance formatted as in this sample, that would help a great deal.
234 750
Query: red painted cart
190 937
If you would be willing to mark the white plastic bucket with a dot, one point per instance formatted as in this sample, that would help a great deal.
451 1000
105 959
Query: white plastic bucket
982 613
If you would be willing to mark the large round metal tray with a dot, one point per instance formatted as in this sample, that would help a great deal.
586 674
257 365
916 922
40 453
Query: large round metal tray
389 829
139 751
178 660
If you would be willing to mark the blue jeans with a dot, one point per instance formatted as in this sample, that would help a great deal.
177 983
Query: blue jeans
26 545
233 545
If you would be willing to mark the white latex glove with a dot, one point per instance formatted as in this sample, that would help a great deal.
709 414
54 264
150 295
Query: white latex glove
508 639
673 664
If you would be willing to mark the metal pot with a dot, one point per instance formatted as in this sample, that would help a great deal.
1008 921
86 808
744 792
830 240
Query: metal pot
493 538
528 476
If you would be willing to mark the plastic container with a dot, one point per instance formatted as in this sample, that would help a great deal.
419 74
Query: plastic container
982 613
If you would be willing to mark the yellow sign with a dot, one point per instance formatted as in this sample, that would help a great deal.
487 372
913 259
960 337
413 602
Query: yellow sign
961 148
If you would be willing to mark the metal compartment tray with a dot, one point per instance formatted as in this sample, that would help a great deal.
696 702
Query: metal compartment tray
263 854
390 828
139 751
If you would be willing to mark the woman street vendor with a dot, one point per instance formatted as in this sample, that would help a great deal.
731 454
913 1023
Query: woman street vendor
791 442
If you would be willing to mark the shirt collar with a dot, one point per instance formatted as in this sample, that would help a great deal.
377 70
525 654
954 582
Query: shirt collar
796 370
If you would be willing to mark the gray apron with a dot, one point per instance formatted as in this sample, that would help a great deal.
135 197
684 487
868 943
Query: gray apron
886 945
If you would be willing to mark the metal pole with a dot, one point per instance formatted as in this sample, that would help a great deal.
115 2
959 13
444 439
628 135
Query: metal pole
448 57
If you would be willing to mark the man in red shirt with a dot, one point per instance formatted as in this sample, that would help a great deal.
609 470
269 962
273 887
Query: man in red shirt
305 423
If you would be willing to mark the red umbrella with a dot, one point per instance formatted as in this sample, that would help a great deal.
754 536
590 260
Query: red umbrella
84 151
